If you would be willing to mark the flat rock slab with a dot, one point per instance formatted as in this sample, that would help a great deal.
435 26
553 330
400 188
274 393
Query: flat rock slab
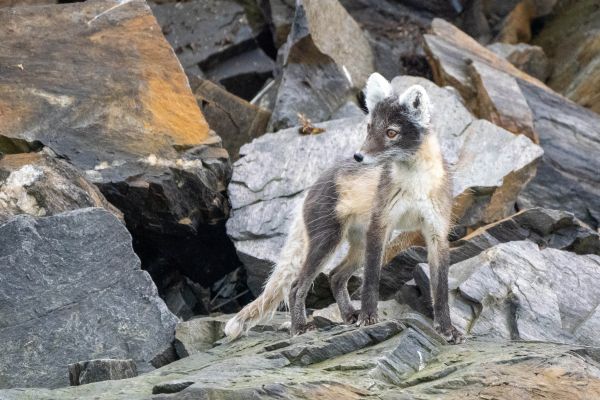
101 370
40 184
71 289
517 291
268 185
389 360
98 84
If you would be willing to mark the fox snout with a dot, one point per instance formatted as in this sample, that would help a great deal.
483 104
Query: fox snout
359 157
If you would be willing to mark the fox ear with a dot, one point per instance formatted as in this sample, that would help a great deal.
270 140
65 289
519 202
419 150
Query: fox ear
417 102
377 89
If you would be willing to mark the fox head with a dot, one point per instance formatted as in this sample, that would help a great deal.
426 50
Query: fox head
397 124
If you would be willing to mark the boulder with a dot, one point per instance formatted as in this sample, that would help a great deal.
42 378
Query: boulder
101 370
234 119
566 177
40 184
279 15
395 32
546 228
400 359
267 186
98 84
71 289
500 100
571 37
517 291
528 58
325 61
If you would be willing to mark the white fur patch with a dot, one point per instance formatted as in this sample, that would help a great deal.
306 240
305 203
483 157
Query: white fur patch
419 106
377 89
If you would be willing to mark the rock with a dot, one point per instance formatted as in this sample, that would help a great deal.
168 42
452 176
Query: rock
499 100
217 39
197 335
279 15
516 26
566 178
449 51
546 228
325 61
98 84
389 360
395 33
235 120
571 37
72 289
205 33
186 298
530 59
13 3
101 370
517 291
39 184
267 186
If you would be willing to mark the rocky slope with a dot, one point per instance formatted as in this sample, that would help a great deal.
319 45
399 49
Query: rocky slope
142 200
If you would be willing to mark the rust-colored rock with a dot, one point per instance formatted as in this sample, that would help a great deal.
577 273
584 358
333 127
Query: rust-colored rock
98 84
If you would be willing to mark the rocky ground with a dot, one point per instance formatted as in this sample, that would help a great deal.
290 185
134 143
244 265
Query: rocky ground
151 154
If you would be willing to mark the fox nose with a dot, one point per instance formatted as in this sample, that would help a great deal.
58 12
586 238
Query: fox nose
358 157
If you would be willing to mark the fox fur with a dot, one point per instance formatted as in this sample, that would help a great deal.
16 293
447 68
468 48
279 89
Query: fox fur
398 180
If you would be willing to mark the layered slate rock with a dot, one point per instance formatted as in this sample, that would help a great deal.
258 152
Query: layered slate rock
567 177
98 84
39 184
571 37
546 228
71 290
325 61
216 39
517 291
234 119
101 370
528 58
267 186
390 360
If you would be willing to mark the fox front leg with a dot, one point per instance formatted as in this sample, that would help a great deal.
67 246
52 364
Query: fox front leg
376 236
438 257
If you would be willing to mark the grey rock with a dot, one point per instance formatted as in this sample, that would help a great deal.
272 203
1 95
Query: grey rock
528 58
324 62
205 33
517 291
390 360
90 371
72 289
568 133
197 335
279 14
263 202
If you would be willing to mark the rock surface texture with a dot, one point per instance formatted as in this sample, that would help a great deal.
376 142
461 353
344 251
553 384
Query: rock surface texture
517 291
267 187
39 184
325 61
98 84
101 370
569 134
71 289
402 359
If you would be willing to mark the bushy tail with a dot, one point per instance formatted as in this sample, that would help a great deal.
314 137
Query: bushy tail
278 285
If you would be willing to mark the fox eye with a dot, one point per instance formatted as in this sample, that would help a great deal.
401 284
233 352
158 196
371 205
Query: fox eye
391 133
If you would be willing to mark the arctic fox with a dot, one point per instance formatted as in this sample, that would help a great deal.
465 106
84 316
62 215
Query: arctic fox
397 180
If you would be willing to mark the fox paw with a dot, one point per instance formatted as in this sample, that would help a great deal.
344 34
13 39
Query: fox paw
299 330
365 319
352 317
451 334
